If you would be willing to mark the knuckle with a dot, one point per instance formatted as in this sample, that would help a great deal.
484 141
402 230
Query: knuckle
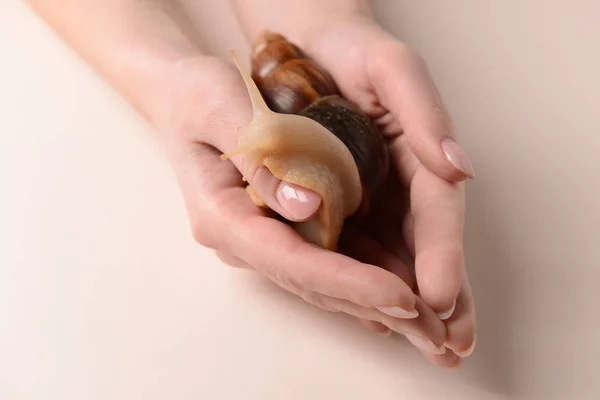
379 288
375 326
286 281
209 222
407 54
292 279
230 260
201 232
319 300
201 236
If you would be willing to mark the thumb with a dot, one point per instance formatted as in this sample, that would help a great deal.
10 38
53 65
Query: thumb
291 201
407 90
229 110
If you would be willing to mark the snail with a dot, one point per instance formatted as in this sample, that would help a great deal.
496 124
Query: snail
306 133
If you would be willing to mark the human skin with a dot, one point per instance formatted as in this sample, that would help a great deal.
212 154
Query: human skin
391 82
149 51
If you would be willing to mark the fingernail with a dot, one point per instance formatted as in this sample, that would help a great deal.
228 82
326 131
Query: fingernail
457 156
398 312
424 344
469 351
300 203
445 315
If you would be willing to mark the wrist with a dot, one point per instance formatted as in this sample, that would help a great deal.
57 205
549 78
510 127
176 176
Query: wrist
317 32
162 82
203 96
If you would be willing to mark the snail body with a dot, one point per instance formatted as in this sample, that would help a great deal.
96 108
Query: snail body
306 133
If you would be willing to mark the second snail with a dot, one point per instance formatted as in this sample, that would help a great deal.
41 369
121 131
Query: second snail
306 133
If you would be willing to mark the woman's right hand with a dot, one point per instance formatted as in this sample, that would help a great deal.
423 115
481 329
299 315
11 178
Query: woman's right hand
210 104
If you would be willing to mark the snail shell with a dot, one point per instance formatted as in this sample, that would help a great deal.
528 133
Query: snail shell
293 83
306 133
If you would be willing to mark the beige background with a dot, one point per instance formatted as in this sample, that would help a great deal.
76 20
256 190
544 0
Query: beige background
104 295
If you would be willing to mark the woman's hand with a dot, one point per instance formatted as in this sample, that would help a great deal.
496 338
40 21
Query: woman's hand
390 82
152 56
211 106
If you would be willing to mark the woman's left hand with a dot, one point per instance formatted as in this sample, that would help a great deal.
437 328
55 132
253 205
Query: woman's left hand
392 84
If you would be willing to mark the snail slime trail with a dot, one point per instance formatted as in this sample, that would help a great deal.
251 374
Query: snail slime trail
305 133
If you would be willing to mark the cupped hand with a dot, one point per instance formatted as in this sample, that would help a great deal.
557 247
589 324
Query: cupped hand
214 103
421 221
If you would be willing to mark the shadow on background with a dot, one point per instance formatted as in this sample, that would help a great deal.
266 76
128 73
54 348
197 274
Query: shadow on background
489 264
494 283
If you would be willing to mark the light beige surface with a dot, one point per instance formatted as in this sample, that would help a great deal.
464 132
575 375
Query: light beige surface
104 295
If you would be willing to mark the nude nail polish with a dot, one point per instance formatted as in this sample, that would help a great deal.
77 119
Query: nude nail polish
446 315
297 201
424 344
398 312
457 157
469 351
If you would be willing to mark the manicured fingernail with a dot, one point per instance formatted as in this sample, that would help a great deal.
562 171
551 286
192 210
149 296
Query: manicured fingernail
398 312
424 344
300 203
469 351
457 156
445 315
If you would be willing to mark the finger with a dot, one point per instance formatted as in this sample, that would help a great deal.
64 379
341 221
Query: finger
206 184
290 201
461 327
408 233
387 122
403 160
365 249
291 261
232 261
405 87
376 327
427 332
438 213
426 338
395 239
447 360
425 312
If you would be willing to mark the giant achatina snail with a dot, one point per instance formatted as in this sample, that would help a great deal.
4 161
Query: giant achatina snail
305 133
